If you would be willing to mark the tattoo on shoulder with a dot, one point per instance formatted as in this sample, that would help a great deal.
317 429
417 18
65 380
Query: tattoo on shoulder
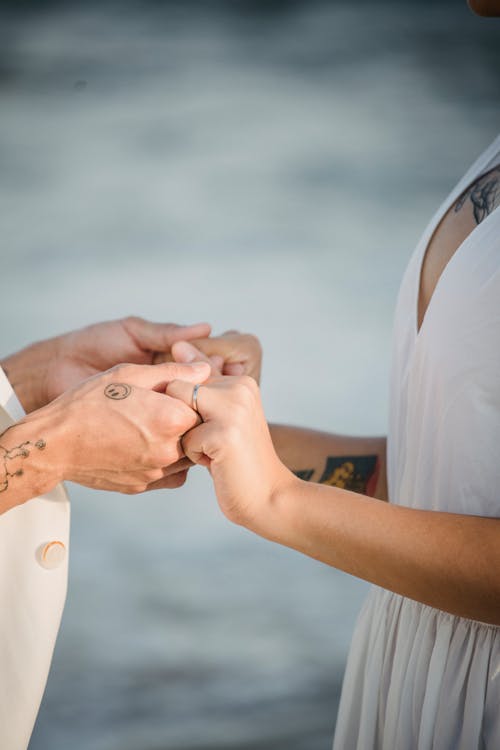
355 473
483 194
117 391
11 460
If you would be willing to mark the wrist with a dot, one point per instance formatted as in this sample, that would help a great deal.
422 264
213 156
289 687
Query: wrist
274 519
30 463
27 371
45 430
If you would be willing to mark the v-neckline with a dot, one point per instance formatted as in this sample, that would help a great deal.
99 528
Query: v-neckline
487 162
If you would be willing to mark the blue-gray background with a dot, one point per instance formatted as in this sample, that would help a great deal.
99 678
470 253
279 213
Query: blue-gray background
266 166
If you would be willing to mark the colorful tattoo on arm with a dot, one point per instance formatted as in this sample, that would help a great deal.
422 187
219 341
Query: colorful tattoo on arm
305 474
354 473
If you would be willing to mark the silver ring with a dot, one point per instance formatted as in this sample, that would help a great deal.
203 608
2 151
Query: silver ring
195 397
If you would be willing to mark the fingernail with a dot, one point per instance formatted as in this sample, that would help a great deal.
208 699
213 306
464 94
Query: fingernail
199 365
185 351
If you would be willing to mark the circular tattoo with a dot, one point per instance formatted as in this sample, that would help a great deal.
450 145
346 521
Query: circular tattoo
117 391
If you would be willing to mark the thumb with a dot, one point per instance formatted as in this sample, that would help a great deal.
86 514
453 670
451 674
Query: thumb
182 351
157 377
159 337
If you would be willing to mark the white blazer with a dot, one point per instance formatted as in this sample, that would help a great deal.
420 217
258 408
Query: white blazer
34 543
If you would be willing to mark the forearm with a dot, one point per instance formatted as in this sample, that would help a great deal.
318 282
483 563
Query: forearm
445 560
27 371
31 461
354 463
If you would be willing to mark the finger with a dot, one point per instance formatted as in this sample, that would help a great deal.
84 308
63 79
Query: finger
196 444
171 482
183 391
156 377
181 465
160 336
220 345
235 349
182 351
210 401
233 369
217 363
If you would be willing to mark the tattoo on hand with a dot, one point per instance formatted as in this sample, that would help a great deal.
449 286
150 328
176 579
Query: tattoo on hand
10 461
484 195
117 391
354 473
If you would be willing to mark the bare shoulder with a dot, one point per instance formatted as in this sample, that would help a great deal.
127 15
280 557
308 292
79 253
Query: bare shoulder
479 200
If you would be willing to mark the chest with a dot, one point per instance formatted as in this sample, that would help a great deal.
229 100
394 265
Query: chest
473 206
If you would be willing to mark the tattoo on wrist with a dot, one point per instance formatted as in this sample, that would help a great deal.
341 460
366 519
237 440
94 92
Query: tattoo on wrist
11 460
354 473
117 391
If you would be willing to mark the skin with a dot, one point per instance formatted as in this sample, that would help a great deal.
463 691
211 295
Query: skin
43 371
233 353
115 431
396 547
61 383
304 451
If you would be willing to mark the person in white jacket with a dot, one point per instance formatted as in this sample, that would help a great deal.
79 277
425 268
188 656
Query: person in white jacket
70 410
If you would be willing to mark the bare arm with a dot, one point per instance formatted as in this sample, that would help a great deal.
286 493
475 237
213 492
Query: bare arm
351 463
449 561
446 560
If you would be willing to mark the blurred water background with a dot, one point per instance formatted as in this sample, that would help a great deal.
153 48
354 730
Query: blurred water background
260 165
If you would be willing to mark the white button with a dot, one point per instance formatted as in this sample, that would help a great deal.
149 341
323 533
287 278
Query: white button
52 554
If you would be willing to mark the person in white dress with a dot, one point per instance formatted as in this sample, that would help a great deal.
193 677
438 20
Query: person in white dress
424 666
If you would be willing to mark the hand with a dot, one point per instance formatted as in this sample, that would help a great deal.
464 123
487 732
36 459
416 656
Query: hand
46 369
234 443
232 353
118 430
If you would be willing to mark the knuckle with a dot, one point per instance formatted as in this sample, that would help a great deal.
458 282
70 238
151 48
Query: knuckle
170 456
123 369
180 418
246 388
132 320
153 475
134 489
255 343
164 455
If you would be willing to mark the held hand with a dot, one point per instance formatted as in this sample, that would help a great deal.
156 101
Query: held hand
46 369
232 353
234 443
118 430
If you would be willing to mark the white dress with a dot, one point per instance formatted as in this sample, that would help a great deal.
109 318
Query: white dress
418 678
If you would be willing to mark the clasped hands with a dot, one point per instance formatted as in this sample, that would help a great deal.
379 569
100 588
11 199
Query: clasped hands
131 427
